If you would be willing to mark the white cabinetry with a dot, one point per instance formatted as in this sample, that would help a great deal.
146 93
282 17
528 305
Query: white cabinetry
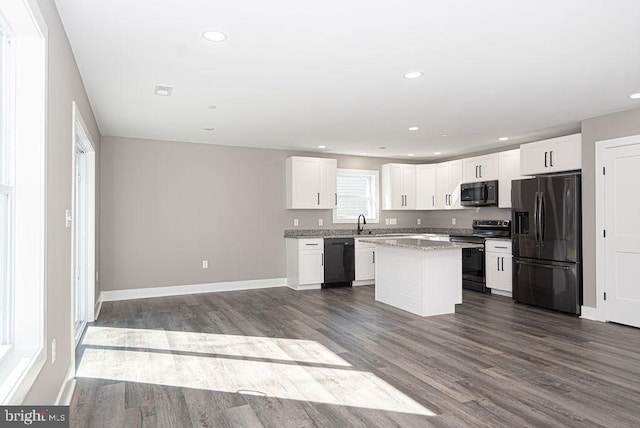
426 187
498 266
448 180
311 183
365 255
398 186
509 170
553 155
480 168
305 263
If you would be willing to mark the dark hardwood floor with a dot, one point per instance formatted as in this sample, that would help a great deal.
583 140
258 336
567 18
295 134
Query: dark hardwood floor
336 358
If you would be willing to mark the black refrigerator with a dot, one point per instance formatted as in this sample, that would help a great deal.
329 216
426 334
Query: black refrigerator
547 242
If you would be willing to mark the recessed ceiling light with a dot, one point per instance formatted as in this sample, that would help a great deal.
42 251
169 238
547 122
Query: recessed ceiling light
208 129
322 147
382 148
414 128
214 36
163 90
411 154
437 153
211 107
413 74
445 135
635 96
503 139
363 154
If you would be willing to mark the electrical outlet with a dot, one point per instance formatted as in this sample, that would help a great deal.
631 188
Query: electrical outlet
296 222
386 221
205 264
453 221
320 222
393 221
419 221
53 351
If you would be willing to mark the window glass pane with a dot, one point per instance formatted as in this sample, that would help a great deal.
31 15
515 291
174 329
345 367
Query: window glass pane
357 192
4 274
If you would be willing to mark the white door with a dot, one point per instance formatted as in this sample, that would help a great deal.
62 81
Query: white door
442 186
622 242
534 158
311 267
425 187
409 186
455 179
365 263
306 182
565 153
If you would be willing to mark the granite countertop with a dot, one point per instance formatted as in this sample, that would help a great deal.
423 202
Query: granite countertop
351 233
420 244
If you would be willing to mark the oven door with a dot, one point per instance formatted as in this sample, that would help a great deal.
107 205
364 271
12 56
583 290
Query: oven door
473 269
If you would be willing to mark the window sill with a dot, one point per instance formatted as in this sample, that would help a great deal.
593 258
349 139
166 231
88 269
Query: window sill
19 376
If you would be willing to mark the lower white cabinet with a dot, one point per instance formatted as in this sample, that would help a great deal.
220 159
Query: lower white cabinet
365 255
498 266
305 263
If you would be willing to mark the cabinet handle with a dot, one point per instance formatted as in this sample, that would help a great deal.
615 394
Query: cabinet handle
322 263
545 159
476 171
502 264
402 199
500 247
498 260
480 168
433 200
374 256
310 244
551 158
318 198
336 198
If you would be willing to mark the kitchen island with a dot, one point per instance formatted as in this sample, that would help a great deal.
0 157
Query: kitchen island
420 276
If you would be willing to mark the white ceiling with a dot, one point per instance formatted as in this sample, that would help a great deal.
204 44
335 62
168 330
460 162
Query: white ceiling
295 74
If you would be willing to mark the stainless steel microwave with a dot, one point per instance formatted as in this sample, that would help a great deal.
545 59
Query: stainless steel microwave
480 194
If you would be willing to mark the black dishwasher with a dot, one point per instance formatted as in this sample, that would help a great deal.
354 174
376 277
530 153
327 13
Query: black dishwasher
339 262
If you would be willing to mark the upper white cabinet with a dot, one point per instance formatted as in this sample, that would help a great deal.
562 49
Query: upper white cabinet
553 155
426 187
448 180
480 168
509 170
398 186
311 183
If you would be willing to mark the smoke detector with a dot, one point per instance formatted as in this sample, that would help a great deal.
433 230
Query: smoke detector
163 90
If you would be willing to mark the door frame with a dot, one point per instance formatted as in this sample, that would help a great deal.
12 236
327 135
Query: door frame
82 137
599 313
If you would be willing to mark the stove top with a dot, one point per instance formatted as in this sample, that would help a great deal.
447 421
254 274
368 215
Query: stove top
483 229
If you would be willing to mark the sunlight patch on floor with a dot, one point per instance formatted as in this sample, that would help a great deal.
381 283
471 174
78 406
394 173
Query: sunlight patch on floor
330 384
306 351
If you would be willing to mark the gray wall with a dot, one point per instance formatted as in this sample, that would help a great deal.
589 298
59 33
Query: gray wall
596 129
64 87
166 206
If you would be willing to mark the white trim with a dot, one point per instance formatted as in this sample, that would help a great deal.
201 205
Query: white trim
589 313
600 311
376 195
179 290
363 282
23 377
98 307
501 293
305 287
66 389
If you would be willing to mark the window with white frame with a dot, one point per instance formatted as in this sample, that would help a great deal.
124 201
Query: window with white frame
357 194
6 185
23 40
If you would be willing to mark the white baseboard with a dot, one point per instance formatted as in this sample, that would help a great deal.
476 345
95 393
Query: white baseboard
590 313
501 293
178 290
363 282
98 307
68 386
305 287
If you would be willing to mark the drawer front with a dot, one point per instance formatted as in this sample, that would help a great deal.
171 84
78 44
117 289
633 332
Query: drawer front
310 244
497 246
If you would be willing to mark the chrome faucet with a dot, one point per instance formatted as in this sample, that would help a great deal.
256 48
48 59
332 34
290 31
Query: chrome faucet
364 221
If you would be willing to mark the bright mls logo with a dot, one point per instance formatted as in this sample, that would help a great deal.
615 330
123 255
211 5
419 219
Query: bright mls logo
37 416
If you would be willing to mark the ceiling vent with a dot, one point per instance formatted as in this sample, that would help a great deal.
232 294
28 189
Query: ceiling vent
163 90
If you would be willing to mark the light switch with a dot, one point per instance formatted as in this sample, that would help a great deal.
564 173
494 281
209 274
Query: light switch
419 221
320 222
205 264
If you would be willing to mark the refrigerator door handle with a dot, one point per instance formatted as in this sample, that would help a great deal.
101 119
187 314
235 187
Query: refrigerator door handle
541 217
522 262
535 219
